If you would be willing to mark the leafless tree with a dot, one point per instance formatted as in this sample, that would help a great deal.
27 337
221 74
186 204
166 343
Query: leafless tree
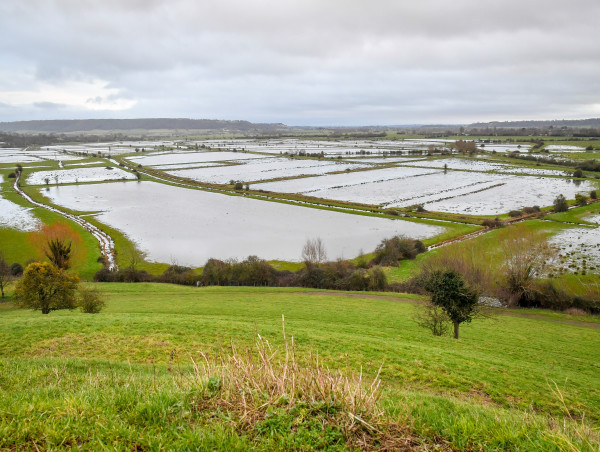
314 252
6 275
527 255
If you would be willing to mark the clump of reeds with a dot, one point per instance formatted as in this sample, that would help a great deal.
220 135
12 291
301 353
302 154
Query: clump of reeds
256 383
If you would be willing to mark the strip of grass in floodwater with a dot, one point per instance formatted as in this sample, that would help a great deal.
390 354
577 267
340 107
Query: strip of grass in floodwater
18 247
577 214
87 267
123 377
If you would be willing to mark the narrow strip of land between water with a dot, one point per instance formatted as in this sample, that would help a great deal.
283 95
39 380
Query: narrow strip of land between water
107 244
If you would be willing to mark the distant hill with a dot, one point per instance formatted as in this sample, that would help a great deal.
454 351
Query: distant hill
592 123
122 125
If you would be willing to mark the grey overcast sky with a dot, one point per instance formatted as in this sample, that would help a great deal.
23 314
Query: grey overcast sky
301 62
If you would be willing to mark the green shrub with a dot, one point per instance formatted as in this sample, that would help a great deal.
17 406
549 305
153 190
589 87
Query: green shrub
560 204
515 213
90 301
16 269
581 200
391 251
532 209
492 224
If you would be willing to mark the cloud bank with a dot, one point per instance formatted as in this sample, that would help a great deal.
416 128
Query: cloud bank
301 62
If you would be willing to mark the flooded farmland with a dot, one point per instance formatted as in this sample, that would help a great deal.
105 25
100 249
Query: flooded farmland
174 224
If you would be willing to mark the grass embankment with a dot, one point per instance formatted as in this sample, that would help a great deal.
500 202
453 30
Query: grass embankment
20 246
122 379
577 214
489 252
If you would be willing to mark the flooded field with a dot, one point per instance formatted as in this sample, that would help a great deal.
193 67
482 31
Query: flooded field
189 226
329 147
171 158
173 224
484 166
263 169
16 217
463 192
339 181
503 147
420 188
579 249
514 193
75 175
564 148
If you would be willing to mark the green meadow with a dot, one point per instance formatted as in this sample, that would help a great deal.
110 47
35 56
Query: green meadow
124 379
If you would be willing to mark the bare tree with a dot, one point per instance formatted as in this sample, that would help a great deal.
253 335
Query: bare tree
314 252
527 255
6 275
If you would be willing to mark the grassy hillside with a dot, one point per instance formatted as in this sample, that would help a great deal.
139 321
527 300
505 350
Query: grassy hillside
124 378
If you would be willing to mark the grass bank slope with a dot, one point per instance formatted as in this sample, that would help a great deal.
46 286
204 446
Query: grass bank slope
72 380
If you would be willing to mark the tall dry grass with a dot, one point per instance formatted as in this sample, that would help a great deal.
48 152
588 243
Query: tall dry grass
253 384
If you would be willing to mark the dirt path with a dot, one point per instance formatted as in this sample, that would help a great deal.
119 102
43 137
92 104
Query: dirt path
107 245
500 312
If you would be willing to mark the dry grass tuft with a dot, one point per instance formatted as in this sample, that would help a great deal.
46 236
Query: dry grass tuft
263 391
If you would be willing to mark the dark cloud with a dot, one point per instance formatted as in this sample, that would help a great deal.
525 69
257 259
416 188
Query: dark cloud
303 61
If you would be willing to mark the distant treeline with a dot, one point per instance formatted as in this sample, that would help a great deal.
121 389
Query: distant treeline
22 140
91 125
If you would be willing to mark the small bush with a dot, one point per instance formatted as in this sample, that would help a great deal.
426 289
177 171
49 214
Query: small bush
515 213
391 251
238 186
593 194
532 209
11 175
90 301
492 224
581 200
16 269
177 274
560 204
578 173
433 318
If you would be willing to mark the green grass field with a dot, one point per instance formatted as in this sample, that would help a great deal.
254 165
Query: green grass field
123 379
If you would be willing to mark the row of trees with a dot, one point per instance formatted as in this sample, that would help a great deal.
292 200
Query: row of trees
317 271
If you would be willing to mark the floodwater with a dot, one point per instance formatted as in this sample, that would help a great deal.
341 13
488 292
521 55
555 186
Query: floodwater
483 165
263 169
173 224
16 217
191 157
579 248
74 175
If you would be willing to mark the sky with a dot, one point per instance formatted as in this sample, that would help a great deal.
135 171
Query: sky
301 62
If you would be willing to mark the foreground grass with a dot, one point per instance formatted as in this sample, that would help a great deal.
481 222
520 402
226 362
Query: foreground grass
123 378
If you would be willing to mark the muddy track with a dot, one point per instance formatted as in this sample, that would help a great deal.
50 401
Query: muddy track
107 245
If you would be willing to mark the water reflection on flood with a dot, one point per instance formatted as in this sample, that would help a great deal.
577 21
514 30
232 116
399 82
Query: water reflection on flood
174 224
